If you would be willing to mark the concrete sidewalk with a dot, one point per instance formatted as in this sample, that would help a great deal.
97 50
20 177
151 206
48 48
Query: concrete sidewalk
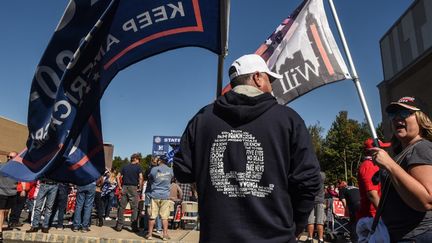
103 234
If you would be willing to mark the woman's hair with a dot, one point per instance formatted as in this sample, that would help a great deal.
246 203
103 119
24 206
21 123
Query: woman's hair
112 177
352 181
425 125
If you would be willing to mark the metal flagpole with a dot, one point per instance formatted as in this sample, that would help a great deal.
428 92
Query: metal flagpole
354 75
224 23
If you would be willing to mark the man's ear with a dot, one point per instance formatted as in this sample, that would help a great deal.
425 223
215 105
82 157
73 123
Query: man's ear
256 79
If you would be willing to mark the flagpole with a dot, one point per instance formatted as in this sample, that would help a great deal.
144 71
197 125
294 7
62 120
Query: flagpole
354 75
224 23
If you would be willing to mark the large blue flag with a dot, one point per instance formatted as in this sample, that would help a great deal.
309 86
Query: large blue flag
94 40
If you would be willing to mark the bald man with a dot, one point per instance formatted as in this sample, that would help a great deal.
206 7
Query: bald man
8 190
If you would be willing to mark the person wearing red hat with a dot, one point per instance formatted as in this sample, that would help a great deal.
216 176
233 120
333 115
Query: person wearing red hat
407 181
370 192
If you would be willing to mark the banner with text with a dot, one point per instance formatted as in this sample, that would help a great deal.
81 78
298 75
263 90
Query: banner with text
303 50
94 40
165 146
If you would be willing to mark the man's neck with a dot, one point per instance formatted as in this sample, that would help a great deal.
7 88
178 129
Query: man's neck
247 90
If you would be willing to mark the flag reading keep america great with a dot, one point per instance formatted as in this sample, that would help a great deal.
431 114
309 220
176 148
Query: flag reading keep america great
94 40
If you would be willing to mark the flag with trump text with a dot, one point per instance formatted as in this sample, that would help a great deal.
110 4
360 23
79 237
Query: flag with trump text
94 40
303 50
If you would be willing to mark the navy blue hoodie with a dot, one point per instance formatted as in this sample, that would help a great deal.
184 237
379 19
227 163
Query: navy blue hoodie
255 169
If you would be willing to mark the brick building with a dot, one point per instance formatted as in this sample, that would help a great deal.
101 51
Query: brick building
13 137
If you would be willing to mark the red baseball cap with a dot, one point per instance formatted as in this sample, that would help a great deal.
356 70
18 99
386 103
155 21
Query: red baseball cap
369 143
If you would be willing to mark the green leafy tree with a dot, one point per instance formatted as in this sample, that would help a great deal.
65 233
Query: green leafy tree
316 131
380 132
145 162
118 162
343 147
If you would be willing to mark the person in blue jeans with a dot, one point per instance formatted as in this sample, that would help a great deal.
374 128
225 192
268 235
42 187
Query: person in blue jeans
47 191
84 205
60 205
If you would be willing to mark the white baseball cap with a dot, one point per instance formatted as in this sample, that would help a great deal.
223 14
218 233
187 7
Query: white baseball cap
250 63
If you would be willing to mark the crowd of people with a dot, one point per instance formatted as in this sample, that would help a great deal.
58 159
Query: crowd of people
257 176
273 197
47 202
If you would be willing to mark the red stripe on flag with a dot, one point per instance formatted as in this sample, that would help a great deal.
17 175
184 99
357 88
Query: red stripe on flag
86 158
197 28
321 49
37 164
96 150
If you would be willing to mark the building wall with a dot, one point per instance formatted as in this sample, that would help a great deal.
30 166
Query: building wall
406 51
13 137
108 152
417 82
407 39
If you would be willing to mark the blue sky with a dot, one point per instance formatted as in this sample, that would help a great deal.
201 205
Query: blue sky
159 95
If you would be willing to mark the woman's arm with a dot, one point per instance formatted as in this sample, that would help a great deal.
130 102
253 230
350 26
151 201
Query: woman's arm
373 197
414 186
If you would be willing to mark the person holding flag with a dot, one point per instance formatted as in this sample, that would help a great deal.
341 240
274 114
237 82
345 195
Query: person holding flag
406 201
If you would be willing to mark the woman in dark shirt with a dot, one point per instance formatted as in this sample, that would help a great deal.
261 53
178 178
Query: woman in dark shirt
408 202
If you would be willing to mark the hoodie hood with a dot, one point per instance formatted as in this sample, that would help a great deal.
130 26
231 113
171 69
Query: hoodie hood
238 109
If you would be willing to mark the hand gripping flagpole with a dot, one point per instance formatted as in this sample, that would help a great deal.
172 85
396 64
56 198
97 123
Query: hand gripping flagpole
355 76
224 27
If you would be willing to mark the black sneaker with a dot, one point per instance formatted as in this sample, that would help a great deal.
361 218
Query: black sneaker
15 225
74 229
118 228
32 230
134 227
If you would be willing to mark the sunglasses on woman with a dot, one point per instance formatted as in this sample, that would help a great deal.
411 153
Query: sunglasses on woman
400 113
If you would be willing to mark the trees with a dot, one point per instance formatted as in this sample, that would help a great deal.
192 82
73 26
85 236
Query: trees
118 162
341 150
317 139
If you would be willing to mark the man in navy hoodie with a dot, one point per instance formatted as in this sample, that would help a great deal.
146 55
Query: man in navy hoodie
252 160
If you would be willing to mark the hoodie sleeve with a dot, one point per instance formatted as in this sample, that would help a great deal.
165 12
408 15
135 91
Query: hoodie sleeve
304 178
183 165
